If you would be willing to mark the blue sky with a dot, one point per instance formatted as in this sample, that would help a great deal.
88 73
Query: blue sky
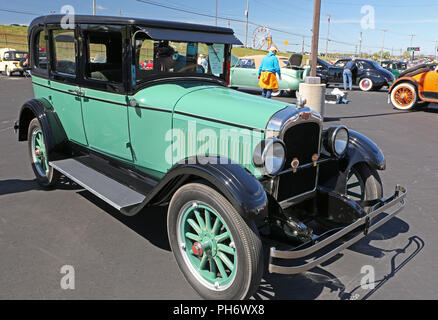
400 18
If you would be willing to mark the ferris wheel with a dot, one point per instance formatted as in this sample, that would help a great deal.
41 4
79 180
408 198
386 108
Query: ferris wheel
262 37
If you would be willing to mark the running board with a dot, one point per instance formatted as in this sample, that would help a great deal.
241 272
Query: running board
112 192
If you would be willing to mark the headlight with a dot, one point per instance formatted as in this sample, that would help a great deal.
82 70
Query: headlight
337 140
270 155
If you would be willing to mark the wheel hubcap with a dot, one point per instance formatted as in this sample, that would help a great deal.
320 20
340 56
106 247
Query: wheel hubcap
208 250
39 155
404 97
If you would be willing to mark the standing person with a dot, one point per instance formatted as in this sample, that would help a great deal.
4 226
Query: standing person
267 73
348 73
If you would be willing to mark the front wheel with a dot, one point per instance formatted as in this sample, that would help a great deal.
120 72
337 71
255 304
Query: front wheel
219 253
46 176
404 96
364 183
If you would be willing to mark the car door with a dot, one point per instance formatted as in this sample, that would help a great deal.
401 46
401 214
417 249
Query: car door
429 88
64 93
335 73
244 74
104 101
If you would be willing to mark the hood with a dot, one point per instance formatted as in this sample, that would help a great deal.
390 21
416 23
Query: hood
229 106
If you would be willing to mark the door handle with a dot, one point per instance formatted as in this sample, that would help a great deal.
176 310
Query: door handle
78 91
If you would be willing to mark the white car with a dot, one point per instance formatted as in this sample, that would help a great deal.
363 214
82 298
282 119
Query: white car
10 61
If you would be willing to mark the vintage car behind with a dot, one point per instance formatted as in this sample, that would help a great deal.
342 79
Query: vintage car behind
11 61
396 67
244 74
415 84
369 75
233 169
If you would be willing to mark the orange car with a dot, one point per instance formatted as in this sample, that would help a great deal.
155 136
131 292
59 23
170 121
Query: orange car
414 84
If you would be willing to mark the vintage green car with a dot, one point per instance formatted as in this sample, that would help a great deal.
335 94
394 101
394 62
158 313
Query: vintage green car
233 169
244 74
396 67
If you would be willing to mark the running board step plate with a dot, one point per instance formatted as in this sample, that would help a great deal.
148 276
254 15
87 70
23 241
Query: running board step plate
114 193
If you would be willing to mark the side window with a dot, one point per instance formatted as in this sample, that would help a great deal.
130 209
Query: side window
340 64
104 52
40 51
64 51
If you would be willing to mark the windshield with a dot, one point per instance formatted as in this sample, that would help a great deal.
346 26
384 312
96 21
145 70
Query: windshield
159 58
15 55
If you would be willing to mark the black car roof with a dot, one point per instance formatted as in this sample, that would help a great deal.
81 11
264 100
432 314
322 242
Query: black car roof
56 18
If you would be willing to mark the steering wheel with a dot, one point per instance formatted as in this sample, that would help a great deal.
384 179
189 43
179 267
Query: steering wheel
192 66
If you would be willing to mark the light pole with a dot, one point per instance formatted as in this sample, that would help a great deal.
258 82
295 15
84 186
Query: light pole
360 45
315 37
328 33
94 7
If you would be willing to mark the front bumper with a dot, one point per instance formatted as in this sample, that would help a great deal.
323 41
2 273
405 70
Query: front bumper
397 200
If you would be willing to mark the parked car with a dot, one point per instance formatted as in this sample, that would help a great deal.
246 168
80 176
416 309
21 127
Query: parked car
415 84
229 165
11 61
396 67
369 75
244 74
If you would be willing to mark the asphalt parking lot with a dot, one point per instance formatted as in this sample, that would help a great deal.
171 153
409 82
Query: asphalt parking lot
119 257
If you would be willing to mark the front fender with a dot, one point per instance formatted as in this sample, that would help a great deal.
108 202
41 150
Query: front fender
54 134
238 185
363 149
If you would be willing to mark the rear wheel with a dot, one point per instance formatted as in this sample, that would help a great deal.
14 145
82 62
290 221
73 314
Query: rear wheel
404 96
277 93
45 174
219 253
8 72
366 84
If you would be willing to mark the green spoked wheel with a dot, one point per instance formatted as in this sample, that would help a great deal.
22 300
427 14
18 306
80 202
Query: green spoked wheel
219 253
38 154
364 183
208 246
355 185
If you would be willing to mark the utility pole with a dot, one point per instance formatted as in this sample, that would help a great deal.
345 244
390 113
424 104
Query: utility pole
120 12
216 13
302 47
94 7
383 44
315 37
328 33
246 14
360 45
413 52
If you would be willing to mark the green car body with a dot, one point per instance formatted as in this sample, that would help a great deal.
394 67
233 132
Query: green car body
229 165
246 76
395 67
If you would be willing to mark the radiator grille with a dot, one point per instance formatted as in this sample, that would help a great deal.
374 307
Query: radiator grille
302 142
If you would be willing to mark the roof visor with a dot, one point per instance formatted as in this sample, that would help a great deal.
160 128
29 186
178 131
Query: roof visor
190 36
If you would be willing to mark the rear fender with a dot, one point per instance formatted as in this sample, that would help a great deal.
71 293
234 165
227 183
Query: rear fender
54 134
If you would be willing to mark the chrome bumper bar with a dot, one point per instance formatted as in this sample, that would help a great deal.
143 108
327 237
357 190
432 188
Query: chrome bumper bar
397 199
